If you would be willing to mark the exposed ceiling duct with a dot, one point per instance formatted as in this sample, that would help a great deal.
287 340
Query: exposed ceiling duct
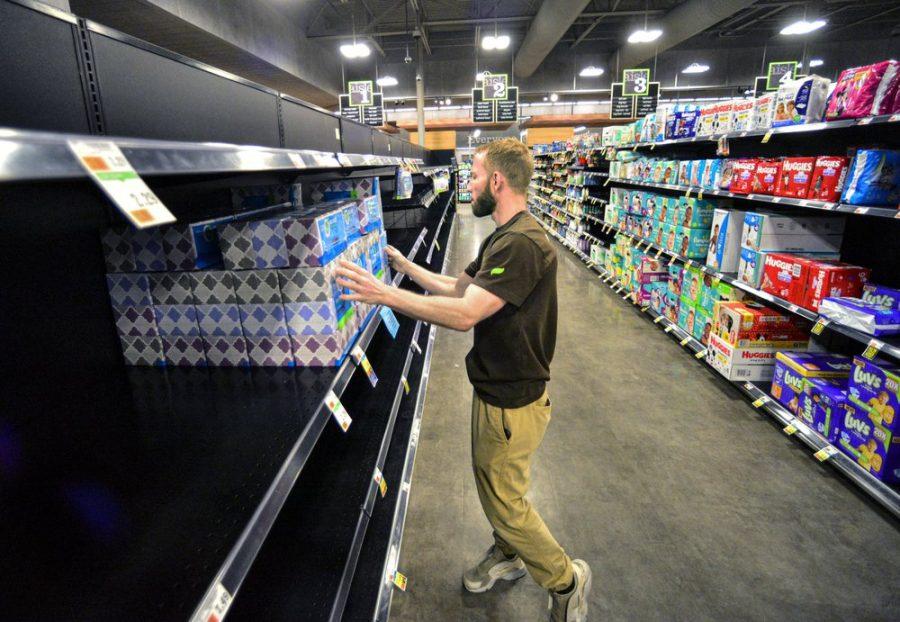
679 24
552 21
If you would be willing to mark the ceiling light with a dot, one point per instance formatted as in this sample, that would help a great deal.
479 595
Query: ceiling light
502 42
591 72
447 102
803 27
355 50
476 133
645 36
545 98
695 68
479 77
816 62
488 42
553 97
386 81
580 128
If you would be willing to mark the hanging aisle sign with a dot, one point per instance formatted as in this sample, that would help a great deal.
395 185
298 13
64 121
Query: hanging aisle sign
636 81
362 104
780 72
645 104
496 101
622 106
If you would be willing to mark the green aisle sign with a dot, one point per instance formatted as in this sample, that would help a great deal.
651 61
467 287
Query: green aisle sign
779 72
495 86
635 81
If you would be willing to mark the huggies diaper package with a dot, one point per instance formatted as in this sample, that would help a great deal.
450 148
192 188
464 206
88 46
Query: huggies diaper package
828 178
794 177
765 177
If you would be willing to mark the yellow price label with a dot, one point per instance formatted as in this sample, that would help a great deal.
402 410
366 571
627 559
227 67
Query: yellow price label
672 260
608 179
659 319
825 453
759 402
659 252
873 349
790 429
766 137
687 194
400 581
700 354
405 384
819 326
685 341
700 194
437 245
669 328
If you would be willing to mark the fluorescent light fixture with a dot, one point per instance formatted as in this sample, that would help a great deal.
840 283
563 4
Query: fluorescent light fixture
645 36
490 42
695 68
476 133
553 97
816 62
355 50
545 98
447 102
580 128
386 81
479 77
591 72
803 27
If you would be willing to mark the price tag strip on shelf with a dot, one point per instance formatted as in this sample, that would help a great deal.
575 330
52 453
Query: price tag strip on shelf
110 169
363 361
826 452
405 383
390 320
215 606
415 347
820 325
686 341
669 328
338 411
700 354
873 349
758 402
659 318
379 479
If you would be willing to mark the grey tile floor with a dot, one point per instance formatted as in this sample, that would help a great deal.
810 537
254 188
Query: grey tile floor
687 503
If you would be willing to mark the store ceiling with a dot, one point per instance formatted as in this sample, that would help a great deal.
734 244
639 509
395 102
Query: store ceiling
602 26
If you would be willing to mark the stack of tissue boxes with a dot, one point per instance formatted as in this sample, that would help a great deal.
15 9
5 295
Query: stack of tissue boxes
275 303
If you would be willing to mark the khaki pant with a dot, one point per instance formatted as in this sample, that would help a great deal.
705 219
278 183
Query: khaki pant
503 442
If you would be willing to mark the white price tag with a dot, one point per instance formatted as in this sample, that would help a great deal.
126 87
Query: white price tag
344 160
338 411
110 169
379 479
215 606
297 160
363 361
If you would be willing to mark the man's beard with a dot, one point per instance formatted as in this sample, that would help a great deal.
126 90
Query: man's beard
485 204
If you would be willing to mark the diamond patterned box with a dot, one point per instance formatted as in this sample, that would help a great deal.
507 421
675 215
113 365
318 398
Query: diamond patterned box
184 351
263 320
318 351
192 246
177 320
226 351
256 287
236 243
219 320
213 287
118 251
316 235
171 288
143 351
307 284
311 318
147 246
135 321
270 351
129 289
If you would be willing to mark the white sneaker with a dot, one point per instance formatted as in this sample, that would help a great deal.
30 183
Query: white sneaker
492 568
572 607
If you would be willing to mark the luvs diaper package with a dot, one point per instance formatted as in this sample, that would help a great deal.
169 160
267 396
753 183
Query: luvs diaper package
875 387
822 405
792 368
872 446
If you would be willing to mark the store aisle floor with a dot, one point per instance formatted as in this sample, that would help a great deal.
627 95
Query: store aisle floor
687 502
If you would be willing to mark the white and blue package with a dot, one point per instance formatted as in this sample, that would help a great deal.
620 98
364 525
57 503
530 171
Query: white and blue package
869 318
711 173
686 122
874 178
725 240
801 101
881 296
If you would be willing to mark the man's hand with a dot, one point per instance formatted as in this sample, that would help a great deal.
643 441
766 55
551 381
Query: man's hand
365 287
397 260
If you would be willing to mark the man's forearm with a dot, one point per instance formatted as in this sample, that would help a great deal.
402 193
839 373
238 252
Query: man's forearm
438 284
446 311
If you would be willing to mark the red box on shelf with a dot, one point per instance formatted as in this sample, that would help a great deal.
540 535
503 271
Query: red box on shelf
806 282
765 176
835 279
795 177
743 175
828 178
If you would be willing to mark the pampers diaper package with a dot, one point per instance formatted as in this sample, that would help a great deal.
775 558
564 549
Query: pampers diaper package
725 240
801 101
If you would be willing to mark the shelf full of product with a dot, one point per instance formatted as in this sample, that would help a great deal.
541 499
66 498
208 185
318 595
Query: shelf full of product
740 259
201 371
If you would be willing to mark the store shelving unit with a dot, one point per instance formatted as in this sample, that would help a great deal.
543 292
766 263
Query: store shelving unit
864 221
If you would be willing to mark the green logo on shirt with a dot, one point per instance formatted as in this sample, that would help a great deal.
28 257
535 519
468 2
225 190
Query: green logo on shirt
497 271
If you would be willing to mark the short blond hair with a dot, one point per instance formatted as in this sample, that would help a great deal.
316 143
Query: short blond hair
512 158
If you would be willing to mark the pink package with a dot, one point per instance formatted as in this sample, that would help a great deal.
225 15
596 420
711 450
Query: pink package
864 91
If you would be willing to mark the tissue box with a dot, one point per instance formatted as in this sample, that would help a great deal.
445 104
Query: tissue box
184 351
263 320
255 197
791 368
177 320
692 243
874 387
318 351
171 288
270 351
822 406
872 447
725 240
312 318
256 287
254 244
190 246
143 351
118 252
869 318
226 351
219 320
138 321
307 284
129 289
149 254
212 287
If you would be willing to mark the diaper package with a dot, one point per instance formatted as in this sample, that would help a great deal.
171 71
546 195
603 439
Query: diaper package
763 111
743 115
822 405
791 368
694 212
765 177
867 317
864 91
725 240
869 444
711 174
794 177
881 296
875 387
801 101
726 174
742 176
874 178
828 177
